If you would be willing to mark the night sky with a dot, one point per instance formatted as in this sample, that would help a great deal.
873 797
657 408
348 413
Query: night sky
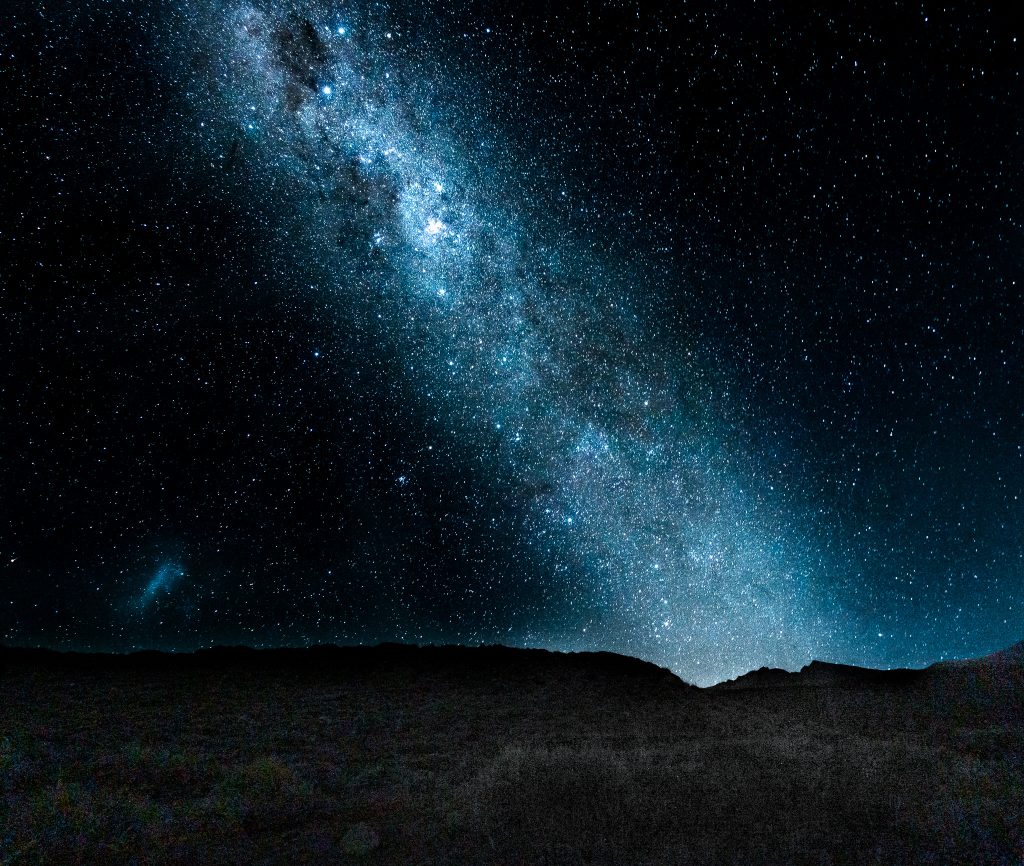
691 331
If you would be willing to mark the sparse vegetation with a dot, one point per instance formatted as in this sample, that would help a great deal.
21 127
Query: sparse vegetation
499 757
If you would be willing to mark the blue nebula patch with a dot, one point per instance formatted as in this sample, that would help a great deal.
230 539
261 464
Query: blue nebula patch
167 576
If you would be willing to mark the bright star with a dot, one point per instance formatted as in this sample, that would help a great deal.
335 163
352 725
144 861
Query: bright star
326 90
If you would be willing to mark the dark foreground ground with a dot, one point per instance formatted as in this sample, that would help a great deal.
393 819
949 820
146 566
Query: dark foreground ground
495 756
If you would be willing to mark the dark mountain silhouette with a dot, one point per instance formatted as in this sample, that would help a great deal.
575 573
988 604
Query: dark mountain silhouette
822 674
484 662
491 755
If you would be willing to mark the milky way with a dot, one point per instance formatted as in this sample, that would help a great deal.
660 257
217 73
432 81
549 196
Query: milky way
527 348
668 444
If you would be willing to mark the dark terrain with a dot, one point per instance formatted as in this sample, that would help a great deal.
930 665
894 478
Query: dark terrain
497 756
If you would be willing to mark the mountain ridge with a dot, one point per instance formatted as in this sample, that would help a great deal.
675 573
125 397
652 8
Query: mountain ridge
489 657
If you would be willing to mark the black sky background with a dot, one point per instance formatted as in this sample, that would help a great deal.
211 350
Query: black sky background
831 200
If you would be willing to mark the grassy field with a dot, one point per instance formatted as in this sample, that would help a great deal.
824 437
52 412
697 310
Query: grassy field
493 756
